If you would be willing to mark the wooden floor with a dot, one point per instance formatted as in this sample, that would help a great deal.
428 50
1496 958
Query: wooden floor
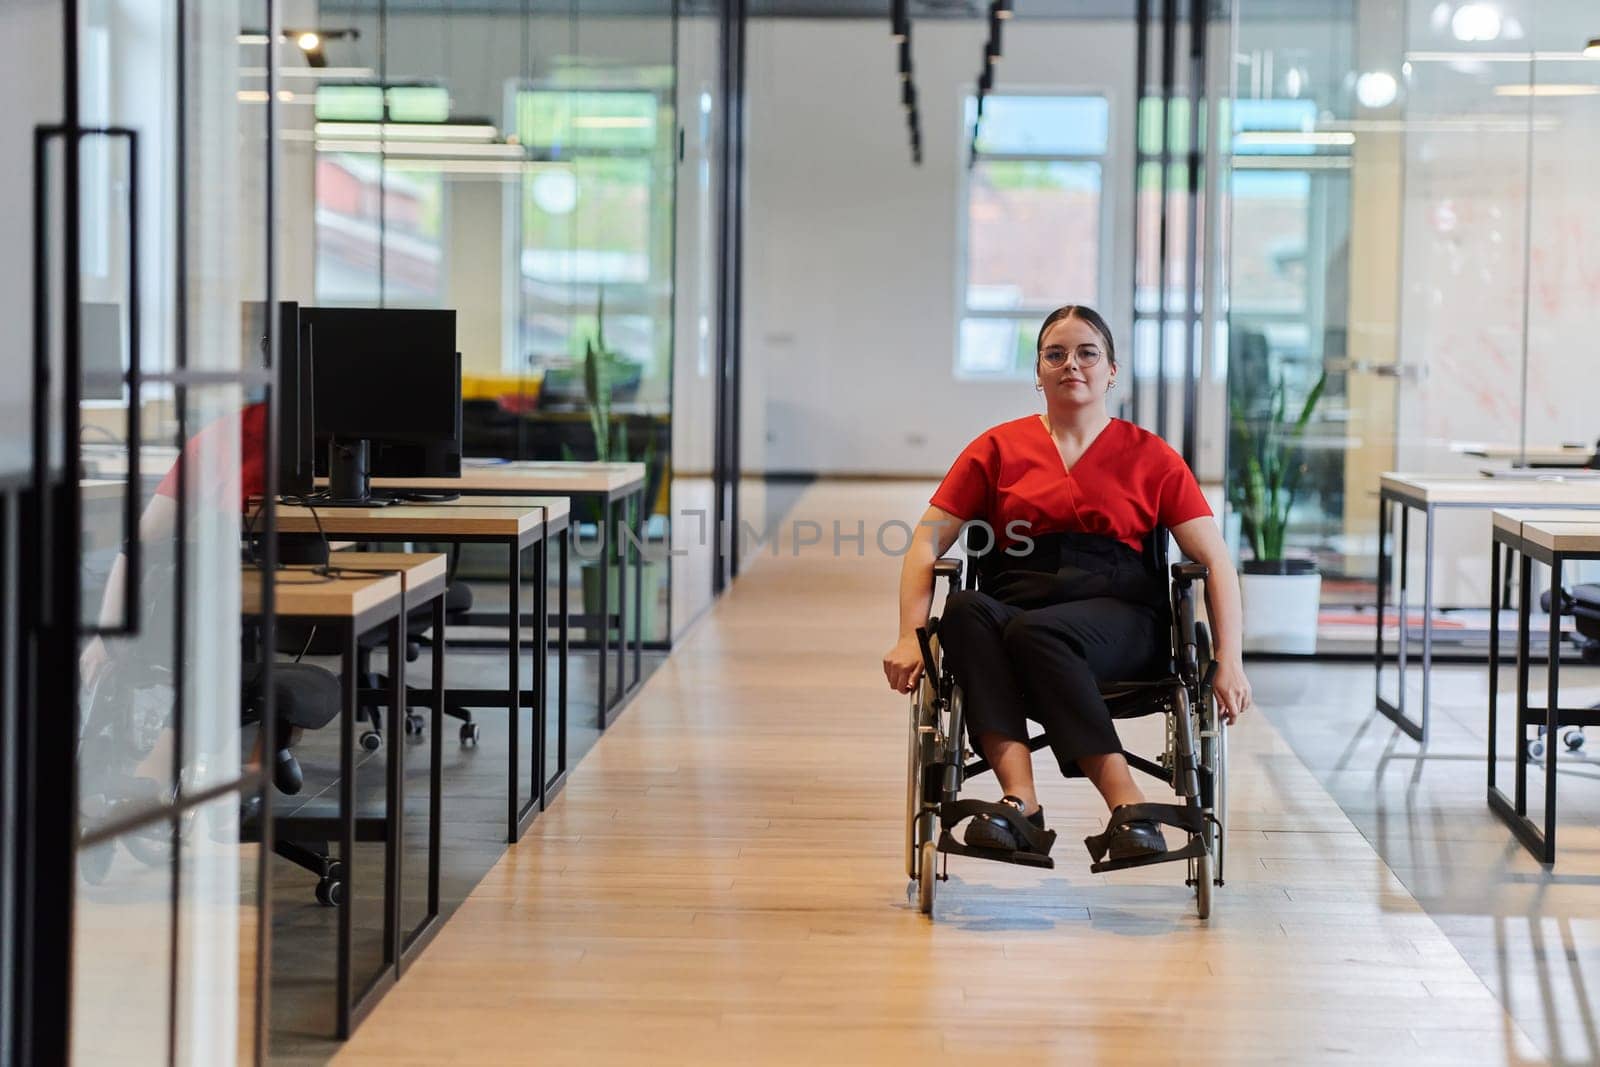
723 882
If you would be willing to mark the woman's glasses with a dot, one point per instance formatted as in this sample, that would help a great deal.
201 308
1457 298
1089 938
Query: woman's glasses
1056 358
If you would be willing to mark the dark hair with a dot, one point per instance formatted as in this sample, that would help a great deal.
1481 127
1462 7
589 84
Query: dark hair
1084 313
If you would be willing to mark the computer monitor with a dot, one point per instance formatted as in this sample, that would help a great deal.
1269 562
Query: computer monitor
292 395
391 378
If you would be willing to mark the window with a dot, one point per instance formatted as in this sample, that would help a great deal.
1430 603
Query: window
595 223
380 218
1034 223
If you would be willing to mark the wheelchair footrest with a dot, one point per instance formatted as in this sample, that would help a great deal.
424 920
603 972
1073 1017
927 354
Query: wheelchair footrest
1193 850
1038 841
949 844
1183 816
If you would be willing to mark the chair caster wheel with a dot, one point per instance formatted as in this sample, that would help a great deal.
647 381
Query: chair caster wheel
372 741
330 892
469 733
414 725
1536 750
1574 739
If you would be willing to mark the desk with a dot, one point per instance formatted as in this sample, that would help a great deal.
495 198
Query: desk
1534 456
357 605
555 510
515 528
1430 493
1552 538
614 487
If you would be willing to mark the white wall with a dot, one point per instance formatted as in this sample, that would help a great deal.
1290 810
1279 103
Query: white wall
852 264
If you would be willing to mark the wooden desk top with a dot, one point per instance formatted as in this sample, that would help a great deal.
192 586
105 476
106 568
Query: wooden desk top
94 489
556 507
407 521
1563 536
1511 520
299 592
423 574
1537 455
529 476
1473 490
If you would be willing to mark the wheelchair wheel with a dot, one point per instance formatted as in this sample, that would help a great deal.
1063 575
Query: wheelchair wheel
914 787
1204 873
928 877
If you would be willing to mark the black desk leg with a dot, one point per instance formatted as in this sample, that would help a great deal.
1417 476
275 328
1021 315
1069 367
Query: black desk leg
347 823
638 586
603 614
436 751
395 632
514 683
1552 711
1524 624
1494 654
617 527
1384 513
541 653
563 650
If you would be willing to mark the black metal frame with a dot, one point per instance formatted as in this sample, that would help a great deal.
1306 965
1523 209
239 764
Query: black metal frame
1165 25
617 550
512 697
730 294
1540 841
1388 499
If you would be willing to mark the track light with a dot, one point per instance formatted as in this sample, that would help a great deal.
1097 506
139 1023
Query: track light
1592 50
1001 9
986 80
908 95
905 60
991 47
899 22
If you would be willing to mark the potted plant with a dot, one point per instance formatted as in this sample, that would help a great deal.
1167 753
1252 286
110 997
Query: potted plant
600 368
1282 595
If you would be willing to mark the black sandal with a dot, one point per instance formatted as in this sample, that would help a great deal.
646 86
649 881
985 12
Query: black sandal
1127 839
986 831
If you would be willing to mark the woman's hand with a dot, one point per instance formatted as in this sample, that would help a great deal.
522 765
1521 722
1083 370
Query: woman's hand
902 664
1231 688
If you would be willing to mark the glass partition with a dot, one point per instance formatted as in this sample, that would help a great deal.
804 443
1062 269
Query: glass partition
1406 229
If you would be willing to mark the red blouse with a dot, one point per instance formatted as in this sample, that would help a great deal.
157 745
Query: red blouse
206 460
1127 482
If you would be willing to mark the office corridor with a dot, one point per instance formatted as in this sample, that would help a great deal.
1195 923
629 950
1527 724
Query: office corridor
723 881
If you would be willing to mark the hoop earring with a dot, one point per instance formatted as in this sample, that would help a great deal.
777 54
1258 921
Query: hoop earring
1038 387
1111 385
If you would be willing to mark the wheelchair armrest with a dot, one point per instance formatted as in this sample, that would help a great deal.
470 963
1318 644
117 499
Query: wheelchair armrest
1187 572
945 567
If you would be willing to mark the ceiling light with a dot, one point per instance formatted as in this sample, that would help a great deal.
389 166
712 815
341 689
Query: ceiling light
1001 9
308 42
899 23
1278 138
1547 89
1377 88
1592 49
1475 22
414 131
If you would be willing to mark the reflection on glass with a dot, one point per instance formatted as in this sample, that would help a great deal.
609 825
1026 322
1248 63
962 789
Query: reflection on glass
218 937
122 948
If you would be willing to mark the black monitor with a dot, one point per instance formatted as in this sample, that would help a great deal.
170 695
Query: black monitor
291 398
387 386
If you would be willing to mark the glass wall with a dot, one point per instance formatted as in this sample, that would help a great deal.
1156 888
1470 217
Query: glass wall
175 232
1408 228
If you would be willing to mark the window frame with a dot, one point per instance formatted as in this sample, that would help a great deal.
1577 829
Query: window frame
1104 270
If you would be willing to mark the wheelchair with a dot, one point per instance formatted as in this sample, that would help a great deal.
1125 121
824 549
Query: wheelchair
1194 762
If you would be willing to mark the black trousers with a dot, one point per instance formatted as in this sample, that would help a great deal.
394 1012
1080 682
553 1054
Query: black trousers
1016 663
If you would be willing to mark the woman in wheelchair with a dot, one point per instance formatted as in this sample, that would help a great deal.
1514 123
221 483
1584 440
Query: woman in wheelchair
1068 496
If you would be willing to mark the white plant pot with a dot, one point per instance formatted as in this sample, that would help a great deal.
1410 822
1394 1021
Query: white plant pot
1280 612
